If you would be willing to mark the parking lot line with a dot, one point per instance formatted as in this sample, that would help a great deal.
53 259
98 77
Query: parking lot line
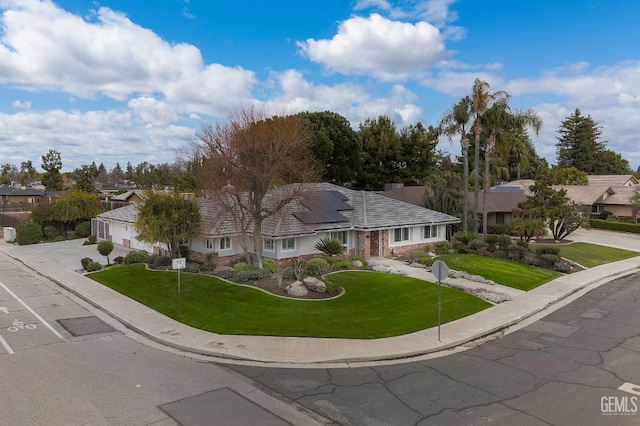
6 345
35 314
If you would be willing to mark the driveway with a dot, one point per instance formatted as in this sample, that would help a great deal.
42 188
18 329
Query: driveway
69 253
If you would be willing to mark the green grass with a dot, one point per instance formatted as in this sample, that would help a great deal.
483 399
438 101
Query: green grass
512 274
590 255
374 304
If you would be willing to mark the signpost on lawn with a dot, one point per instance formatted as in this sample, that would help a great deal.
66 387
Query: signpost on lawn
179 263
441 271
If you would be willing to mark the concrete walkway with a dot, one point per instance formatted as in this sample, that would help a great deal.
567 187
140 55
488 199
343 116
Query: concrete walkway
60 266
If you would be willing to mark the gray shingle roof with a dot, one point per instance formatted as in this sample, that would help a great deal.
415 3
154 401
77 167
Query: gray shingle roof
370 211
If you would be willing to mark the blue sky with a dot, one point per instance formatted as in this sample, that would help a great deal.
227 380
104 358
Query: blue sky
130 80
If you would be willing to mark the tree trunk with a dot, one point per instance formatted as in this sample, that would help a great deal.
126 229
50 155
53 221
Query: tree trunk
465 183
257 242
485 193
476 179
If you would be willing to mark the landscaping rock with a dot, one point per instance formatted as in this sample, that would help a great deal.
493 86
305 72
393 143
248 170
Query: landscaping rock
314 284
357 264
224 269
296 289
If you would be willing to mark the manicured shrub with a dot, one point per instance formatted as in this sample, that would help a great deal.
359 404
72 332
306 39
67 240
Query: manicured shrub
28 233
105 248
269 265
498 242
442 247
426 260
516 252
547 261
50 232
83 229
252 274
85 262
241 266
227 275
361 259
416 255
547 250
477 244
615 226
288 273
192 267
93 266
317 267
91 239
342 264
119 260
210 261
136 256
157 260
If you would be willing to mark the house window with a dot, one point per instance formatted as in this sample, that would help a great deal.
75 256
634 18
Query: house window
500 218
400 234
289 244
209 244
225 243
342 236
268 244
430 231
597 208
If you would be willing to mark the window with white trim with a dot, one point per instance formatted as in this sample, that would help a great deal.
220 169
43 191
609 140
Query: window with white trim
430 231
267 244
288 244
400 234
342 236
225 243
209 244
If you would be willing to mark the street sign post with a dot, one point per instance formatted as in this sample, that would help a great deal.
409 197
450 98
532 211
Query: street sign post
441 271
179 264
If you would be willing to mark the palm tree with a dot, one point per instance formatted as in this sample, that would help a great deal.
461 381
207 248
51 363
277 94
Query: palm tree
504 128
456 121
482 99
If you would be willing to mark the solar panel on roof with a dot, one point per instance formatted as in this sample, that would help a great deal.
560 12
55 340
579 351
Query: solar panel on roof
324 207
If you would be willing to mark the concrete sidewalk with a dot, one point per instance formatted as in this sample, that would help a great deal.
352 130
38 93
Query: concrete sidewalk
293 351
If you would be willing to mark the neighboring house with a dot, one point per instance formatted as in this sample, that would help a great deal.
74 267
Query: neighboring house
134 196
409 194
603 193
20 195
500 204
368 224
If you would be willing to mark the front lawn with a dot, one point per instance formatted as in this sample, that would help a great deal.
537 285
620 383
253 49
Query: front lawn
374 304
512 274
590 255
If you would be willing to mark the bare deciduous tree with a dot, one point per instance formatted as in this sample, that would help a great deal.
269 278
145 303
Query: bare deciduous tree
256 165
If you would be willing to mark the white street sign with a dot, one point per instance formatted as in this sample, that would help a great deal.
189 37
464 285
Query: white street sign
179 263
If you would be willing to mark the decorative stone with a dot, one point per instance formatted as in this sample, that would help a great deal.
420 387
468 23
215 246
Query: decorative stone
296 289
357 264
314 284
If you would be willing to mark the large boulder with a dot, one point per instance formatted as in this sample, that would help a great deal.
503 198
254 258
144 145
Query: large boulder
357 264
296 289
314 284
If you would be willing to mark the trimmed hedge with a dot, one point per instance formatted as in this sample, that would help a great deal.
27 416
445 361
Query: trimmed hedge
615 226
28 233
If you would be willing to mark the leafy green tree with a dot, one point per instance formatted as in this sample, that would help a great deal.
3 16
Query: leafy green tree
579 144
444 194
75 207
105 248
379 153
612 163
554 208
335 145
417 146
85 177
27 172
51 164
634 201
505 129
116 174
565 176
456 121
167 218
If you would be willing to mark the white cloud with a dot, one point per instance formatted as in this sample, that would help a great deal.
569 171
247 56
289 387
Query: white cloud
388 50
295 94
45 47
153 111
21 105
83 137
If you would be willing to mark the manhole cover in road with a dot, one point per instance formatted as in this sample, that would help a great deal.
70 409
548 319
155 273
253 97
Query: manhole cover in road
220 407
85 326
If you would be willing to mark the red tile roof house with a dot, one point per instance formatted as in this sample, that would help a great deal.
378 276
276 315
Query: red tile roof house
368 224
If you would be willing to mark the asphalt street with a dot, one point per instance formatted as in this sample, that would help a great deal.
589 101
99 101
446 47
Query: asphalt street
580 365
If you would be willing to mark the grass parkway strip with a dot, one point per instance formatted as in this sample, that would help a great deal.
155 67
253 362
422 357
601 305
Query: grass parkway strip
373 305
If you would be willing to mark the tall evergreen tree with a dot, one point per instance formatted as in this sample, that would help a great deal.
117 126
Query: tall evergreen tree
52 178
579 144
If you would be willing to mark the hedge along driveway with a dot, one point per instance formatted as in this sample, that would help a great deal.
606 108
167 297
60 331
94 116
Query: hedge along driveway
373 305
512 274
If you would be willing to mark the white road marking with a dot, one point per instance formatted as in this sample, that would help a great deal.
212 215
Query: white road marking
6 345
3 309
630 387
46 324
